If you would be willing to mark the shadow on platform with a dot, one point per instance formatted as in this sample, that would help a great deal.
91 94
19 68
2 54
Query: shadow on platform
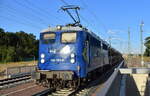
133 89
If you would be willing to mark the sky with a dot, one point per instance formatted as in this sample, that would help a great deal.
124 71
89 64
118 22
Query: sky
106 18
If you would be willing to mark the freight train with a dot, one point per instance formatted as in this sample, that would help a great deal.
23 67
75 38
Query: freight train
70 55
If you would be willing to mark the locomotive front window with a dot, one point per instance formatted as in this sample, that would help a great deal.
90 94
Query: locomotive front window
68 37
49 37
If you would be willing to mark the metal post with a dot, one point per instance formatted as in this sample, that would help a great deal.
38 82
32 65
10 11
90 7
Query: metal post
7 72
129 45
34 59
149 52
110 50
110 40
121 42
141 31
19 68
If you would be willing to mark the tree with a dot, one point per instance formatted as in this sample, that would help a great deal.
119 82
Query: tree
147 45
17 46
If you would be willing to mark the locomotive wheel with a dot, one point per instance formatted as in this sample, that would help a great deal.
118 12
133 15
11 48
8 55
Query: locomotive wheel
58 85
77 84
44 83
37 82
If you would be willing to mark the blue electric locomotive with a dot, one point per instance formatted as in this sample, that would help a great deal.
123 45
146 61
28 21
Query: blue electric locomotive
69 54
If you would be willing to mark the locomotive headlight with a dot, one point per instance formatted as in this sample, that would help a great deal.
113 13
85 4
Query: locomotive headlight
58 27
42 60
72 60
42 55
72 55
65 50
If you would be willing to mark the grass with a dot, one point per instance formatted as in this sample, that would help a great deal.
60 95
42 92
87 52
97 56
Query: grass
3 66
135 61
146 59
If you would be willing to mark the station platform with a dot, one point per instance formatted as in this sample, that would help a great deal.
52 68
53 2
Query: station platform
126 82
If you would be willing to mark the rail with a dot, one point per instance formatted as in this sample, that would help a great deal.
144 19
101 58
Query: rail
10 82
43 93
54 92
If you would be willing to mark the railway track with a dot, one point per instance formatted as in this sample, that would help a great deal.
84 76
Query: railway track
82 91
10 82
53 92
26 89
63 92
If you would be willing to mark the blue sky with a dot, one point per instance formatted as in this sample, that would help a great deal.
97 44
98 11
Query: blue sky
104 17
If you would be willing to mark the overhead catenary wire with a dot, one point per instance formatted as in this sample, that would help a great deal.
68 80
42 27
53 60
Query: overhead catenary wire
32 10
23 20
44 11
94 15
24 17
64 2
86 21
20 22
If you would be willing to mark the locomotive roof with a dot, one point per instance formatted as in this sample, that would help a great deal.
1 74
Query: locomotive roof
72 28
63 28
